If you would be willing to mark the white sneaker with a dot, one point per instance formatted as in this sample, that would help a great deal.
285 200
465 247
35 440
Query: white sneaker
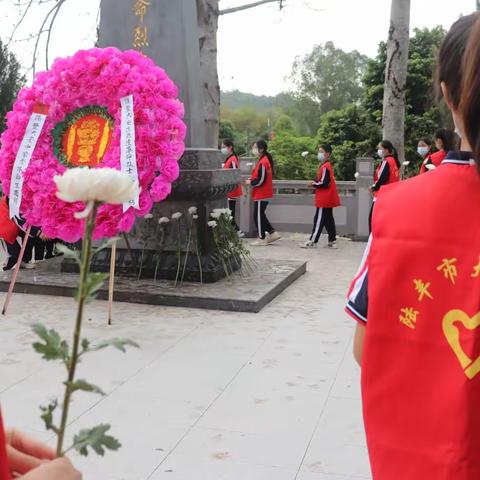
273 237
308 244
27 266
332 245
260 242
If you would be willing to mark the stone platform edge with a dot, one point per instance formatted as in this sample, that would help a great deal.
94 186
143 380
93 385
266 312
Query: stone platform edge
174 299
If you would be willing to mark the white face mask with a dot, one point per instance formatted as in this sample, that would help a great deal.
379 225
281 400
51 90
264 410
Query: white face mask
422 151
224 151
255 152
380 153
321 157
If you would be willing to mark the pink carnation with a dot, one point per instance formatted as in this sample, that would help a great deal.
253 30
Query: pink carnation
97 77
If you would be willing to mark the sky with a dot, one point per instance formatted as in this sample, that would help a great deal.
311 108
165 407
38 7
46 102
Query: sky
257 47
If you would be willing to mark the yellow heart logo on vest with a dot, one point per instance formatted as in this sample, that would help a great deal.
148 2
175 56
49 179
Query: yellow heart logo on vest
470 367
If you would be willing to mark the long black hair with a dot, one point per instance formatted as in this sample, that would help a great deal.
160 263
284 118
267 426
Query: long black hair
229 143
388 145
447 137
263 145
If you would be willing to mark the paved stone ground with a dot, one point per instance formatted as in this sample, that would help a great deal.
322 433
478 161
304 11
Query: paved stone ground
210 395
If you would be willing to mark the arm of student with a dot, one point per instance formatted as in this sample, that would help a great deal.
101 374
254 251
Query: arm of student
382 177
59 469
358 343
324 181
260 178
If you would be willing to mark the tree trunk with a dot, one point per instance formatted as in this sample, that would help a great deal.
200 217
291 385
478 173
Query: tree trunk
396 76
207 30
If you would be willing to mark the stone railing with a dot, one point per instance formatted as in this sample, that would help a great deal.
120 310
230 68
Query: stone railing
293 205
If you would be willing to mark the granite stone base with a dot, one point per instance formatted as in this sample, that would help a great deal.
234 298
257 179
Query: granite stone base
241 292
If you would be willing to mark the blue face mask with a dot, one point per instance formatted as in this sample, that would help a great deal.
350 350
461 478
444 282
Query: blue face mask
321 157
224 151
422 151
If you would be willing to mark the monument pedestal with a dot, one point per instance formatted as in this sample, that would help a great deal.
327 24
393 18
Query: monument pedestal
202 184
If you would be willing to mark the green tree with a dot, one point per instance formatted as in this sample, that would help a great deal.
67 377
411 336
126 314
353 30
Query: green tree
423 116
10 82
287 150
351 134
330 77
227 130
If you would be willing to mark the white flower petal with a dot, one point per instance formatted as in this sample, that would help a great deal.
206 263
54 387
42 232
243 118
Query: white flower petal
106 185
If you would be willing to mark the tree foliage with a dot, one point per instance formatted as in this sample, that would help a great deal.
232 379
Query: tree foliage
330 77
10 82
345 111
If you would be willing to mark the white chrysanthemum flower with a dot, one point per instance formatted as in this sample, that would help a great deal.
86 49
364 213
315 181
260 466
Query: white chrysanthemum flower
357 174
164 220
215 214
305 154
192 210
176 215
430 167
195 217
406 163
148 216
104 185
212 223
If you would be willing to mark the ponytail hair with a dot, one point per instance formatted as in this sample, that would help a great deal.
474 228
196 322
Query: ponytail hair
470 102
263 145
388 145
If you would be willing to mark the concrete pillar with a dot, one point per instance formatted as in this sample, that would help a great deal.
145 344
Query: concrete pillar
365 169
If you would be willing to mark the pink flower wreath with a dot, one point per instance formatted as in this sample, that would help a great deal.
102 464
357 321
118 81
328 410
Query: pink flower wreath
96 78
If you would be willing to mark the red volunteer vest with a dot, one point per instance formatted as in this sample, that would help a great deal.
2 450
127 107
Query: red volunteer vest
421 360
436 158
232 162
394 175
327 197
265 190
4 475
8 228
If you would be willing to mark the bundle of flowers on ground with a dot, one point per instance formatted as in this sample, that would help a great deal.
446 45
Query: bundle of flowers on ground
230 249
83 127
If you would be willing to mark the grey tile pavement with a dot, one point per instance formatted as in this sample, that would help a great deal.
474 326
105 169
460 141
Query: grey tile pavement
210 395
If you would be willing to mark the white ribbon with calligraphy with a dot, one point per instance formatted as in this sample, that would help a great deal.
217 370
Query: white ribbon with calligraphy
24 155
128 155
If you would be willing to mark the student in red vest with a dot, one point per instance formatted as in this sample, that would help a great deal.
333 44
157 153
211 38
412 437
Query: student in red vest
326 199
445 141
386 173
232 162
27 459
424 149
416 299
261 181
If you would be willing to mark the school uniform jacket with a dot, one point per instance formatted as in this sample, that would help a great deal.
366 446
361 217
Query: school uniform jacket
262 180
232 162
418 294
386 173
326 194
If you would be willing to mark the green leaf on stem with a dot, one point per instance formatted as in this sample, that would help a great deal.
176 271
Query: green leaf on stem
84 386
118 343
93 284
96 439
53 347
47 415
106 244
69 253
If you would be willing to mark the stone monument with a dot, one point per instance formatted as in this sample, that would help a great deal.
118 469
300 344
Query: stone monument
166 31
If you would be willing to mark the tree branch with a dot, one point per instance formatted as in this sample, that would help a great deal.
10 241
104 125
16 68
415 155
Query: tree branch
248 5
